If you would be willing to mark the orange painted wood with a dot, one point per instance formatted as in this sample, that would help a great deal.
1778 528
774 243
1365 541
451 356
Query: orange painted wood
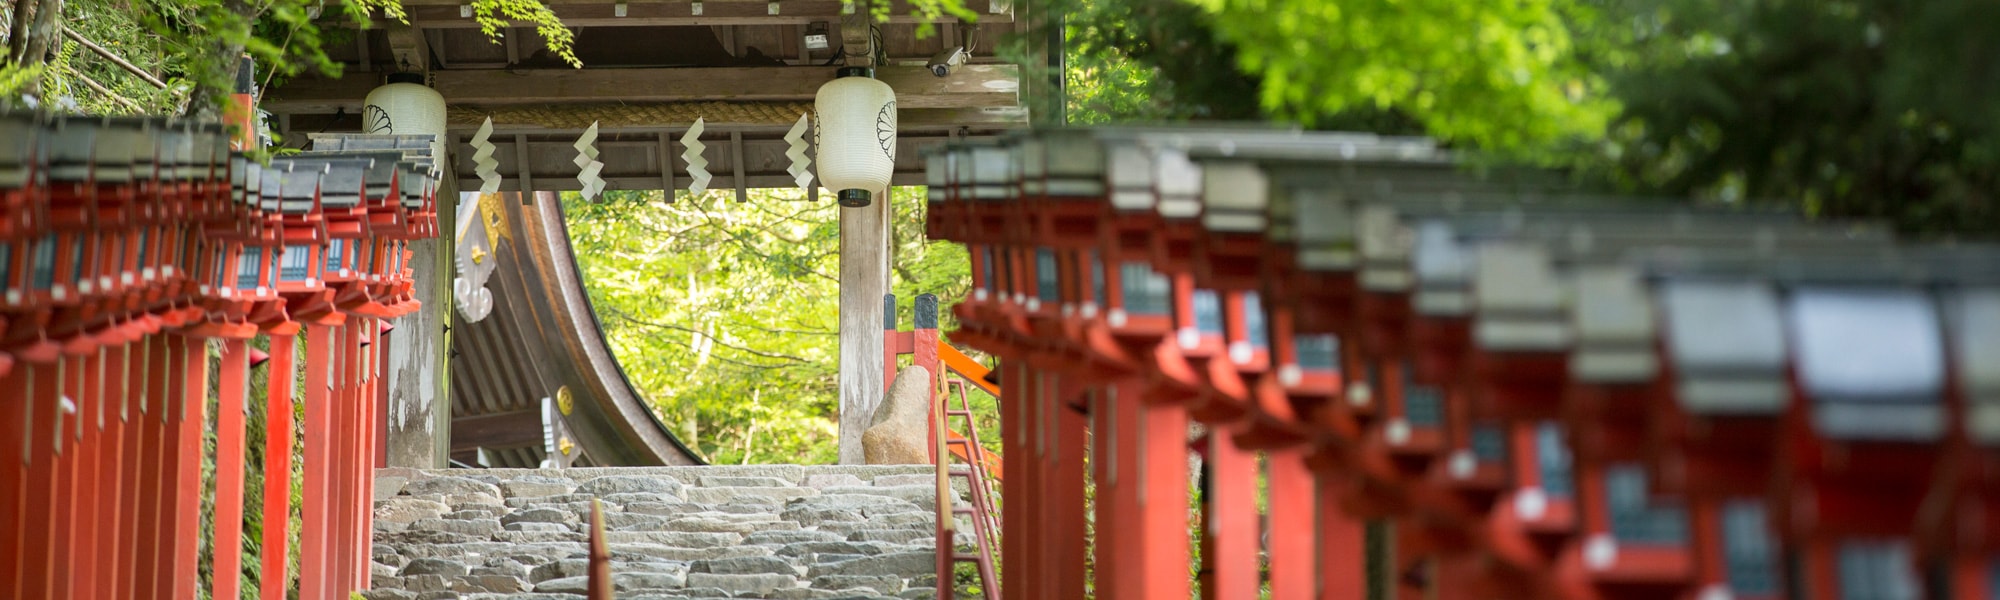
1069 444
226 551
192 410
131 422
1014 500
87 552
1290 532
1232 511
39 499
14 423
1112 456
1343 550
1162 474
313 528
278 465
68 487
154 502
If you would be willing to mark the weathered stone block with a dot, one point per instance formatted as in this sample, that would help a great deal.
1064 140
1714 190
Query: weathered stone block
880 584
406 510
466 527
820 482
625 484
746 565
742 585
540 515
434 566
791 537
535 486
736 481
451 486
725 495
902 564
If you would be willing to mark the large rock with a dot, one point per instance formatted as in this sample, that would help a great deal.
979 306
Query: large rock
902 564
409 510
628 484
742 585
900 433
451 486
434 566
747 565
535 486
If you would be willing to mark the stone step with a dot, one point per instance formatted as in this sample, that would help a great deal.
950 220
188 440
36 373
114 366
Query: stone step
779 532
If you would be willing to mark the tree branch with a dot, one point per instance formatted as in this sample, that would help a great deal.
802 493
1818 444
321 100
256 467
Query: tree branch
636 321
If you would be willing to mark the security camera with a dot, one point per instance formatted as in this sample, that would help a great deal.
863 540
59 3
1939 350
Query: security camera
942 62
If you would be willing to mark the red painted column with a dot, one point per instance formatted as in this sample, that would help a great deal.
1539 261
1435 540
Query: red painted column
1291 516
131 423
227 547
277 465
192 417
113 404
1161 548
1112 458
15 400
86 551
1343 548
1014 459
1038 581
154 499
1069 443
36 561
68 488
1231 555
364 454
314 579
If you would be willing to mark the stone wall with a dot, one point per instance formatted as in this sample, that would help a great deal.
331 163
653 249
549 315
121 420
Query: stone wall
779 532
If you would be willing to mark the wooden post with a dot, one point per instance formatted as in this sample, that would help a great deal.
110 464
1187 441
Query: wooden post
313 565
1231 556
864 278
1068 445
227 551
14 423
192 408
277 464
1291 542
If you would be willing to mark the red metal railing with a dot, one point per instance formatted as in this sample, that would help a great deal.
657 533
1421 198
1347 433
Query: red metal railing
129 249
1466 385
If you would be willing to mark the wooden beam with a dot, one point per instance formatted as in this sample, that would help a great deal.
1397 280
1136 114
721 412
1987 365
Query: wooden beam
408 48
857 36
736 158
971 86
499 430
444 14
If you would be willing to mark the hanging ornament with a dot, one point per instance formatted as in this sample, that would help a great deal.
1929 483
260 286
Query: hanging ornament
405 106
857 134
476 242
801 167
587 164
483 163
697 166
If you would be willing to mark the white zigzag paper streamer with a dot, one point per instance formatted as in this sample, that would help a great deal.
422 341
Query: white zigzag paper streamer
801 168
697 166
483 162
586 160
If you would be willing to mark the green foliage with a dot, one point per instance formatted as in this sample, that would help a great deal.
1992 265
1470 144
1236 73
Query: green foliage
496 15
725 315
1502 75
1862 108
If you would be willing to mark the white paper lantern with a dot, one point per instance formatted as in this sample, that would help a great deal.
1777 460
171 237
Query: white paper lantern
406 107
856 135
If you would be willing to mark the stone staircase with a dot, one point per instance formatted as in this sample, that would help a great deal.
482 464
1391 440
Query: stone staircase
779 532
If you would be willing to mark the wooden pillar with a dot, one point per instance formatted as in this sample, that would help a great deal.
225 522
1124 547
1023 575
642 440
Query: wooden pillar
192 416
36 560
313 525
226 553
156 497
132 425
1343 548
1068 444
15 415
87 559
277 464
1014 499
1291 508
1231 511
1161 551
68 464
864 278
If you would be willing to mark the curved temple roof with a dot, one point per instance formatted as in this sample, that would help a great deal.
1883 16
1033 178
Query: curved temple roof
543 336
